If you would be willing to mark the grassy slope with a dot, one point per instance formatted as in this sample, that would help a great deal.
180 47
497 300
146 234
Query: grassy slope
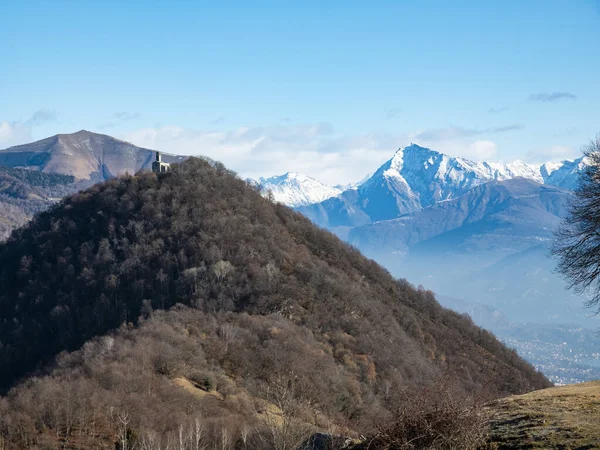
559 417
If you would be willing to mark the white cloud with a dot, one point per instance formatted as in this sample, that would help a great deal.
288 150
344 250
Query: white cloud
554 153
483 149
20 132
14 133
313 149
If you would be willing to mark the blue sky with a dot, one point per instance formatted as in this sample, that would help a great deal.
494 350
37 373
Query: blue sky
327 88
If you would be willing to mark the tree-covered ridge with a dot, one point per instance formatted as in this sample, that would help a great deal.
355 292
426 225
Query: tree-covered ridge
201 237
37 178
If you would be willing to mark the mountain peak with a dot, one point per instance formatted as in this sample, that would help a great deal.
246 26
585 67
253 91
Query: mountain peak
286 177
297 189
417 162
414 150
417 177
415 147
296 176
81 133
84 134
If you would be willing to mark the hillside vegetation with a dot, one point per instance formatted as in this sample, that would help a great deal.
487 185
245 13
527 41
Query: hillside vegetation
190 303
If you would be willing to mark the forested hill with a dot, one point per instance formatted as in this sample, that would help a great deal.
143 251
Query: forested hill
259 279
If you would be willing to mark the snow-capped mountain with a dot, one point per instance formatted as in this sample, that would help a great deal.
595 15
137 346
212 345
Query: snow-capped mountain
417 177
563 174
296 189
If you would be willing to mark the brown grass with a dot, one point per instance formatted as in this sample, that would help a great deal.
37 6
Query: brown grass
565 417
194 389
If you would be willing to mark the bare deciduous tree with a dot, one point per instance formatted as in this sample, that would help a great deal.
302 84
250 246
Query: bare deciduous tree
150 441
281 411
197 435
221 269
123 423
577 242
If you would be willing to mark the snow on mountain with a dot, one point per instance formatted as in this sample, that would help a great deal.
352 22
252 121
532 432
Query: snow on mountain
417 177
426 176
563 174
518 168
415 163
296 189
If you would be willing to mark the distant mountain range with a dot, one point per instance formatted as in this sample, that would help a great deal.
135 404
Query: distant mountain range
417 177
414 178
520 210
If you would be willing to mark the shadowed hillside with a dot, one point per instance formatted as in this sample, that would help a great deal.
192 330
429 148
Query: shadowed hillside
274 301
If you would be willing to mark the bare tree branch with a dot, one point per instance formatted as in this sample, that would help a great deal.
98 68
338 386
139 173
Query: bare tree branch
577 242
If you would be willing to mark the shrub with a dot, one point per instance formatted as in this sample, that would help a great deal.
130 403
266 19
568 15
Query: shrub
434 419
202 381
